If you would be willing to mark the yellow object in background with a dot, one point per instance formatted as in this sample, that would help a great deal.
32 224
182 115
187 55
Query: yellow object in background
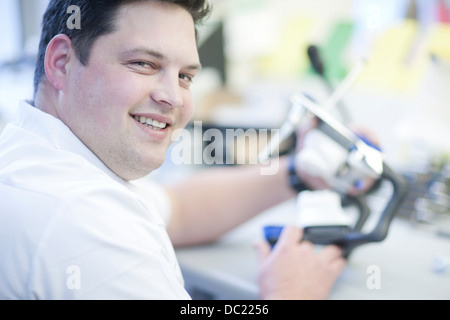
440 42
398 58
289 58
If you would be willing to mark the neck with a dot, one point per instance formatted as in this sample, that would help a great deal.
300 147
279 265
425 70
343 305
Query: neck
46 98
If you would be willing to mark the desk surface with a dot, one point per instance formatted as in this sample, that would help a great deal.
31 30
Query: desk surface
404 262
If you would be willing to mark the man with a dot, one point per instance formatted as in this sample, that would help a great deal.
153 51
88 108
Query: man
77 221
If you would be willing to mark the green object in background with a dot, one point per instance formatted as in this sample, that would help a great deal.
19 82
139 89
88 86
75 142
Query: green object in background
246 6
333 52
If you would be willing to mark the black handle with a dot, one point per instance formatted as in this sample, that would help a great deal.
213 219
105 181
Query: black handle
380 231
349 240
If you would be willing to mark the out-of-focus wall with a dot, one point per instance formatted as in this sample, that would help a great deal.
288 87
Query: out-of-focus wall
19 38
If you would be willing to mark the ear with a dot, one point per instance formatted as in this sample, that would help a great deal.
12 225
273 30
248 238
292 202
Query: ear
56 60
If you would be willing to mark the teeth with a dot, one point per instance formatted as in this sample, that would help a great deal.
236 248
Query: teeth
150 122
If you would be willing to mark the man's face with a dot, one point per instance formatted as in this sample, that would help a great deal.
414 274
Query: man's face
134 92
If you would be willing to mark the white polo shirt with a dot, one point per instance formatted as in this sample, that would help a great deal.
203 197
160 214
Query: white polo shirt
70 228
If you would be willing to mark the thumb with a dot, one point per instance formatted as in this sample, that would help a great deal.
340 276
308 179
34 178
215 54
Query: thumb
291 235
263 250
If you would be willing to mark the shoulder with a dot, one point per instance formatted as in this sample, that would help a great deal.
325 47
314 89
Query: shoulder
101 232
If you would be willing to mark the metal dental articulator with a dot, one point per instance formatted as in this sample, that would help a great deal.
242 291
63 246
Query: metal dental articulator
343 159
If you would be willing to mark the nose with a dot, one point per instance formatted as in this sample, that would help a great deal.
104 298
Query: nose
167 91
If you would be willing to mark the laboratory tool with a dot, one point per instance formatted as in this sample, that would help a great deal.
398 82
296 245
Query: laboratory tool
319 67
296 117
345 160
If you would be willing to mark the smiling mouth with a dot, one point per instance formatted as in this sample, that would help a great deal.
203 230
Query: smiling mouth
150 123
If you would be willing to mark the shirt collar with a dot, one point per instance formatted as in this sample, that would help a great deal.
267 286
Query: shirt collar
58 135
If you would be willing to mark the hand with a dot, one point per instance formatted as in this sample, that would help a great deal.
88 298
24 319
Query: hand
294 271
313 182
315 179
368 182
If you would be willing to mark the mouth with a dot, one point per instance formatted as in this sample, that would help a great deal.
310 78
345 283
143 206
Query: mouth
151 123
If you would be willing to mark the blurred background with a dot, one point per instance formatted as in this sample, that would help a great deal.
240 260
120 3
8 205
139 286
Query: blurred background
255 56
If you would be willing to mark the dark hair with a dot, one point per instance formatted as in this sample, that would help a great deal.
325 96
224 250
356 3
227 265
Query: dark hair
98 19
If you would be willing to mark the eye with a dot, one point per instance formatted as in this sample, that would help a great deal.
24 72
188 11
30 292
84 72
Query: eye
185 80
142 64
143 67
186 77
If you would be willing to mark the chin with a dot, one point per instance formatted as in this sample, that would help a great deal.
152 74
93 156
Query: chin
142 171
138 166
135 175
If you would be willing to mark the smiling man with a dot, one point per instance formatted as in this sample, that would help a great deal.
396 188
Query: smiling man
133 93
76 220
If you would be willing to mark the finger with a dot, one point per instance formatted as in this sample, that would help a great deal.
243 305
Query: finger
338 265
262 250
290 235
331 253
367 134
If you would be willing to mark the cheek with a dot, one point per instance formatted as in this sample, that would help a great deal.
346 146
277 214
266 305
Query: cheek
187 111
105 97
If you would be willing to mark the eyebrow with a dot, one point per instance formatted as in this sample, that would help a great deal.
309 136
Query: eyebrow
158 55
